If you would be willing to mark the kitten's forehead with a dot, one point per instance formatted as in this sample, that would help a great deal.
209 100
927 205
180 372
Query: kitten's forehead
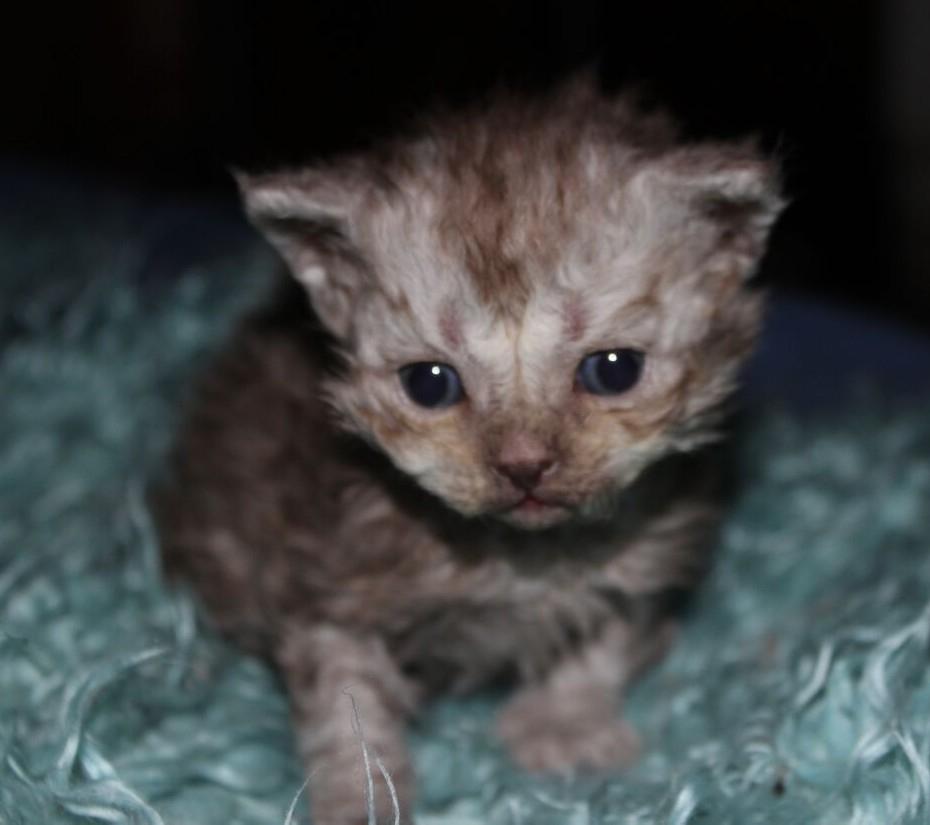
511 322
518 276
498 218
493 260
517 227
507 241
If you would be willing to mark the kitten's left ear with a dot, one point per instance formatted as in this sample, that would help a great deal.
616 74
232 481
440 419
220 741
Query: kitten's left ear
306 215
727 194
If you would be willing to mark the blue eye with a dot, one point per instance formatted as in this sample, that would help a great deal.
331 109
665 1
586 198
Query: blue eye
610 372
431 385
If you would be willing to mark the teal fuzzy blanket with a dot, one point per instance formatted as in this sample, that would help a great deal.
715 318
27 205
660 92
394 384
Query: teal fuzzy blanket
799 691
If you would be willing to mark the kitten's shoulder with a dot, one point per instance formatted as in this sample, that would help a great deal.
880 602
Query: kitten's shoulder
255 462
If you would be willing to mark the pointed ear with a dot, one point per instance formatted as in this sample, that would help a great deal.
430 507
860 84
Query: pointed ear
305 216
726 194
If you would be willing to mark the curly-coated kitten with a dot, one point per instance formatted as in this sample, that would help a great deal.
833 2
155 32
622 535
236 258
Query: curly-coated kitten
475 456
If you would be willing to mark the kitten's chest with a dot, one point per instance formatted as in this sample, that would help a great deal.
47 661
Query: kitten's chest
496 622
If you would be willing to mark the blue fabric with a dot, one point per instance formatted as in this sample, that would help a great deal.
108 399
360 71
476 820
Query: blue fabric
817 356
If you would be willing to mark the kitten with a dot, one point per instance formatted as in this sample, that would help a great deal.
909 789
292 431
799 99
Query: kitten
476 457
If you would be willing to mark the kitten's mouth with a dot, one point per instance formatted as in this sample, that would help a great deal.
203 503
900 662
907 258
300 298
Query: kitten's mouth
535 513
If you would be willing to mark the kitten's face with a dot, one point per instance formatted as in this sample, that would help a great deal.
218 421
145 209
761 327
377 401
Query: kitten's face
527 328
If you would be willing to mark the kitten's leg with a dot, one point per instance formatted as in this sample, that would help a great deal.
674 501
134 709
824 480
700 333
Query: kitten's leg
325 669
571 719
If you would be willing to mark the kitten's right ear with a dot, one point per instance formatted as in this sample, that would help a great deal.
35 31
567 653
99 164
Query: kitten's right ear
727 194
305 216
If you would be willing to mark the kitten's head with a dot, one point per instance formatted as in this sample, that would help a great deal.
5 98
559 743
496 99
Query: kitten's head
535 300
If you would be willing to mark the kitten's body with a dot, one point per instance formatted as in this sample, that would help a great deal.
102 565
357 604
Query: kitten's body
509 243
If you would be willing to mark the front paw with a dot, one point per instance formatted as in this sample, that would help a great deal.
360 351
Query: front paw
541 741
339 798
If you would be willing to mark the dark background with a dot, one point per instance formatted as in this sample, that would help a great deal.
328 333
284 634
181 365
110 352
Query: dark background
166 94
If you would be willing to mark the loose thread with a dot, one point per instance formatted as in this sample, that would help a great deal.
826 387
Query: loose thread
382 769
289 819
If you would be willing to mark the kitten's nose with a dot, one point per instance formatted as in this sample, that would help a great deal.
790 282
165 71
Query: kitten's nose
525 475
523 459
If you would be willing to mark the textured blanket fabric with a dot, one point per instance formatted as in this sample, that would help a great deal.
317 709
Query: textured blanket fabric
799 691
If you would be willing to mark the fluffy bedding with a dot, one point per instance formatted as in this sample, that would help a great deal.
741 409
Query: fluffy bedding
799 690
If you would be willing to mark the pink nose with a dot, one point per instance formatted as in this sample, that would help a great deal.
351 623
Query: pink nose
523 459
524 474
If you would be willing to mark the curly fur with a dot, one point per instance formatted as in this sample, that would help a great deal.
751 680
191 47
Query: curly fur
509 241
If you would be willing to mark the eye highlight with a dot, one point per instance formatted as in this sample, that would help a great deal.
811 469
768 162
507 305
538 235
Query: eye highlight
610 372
432 385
